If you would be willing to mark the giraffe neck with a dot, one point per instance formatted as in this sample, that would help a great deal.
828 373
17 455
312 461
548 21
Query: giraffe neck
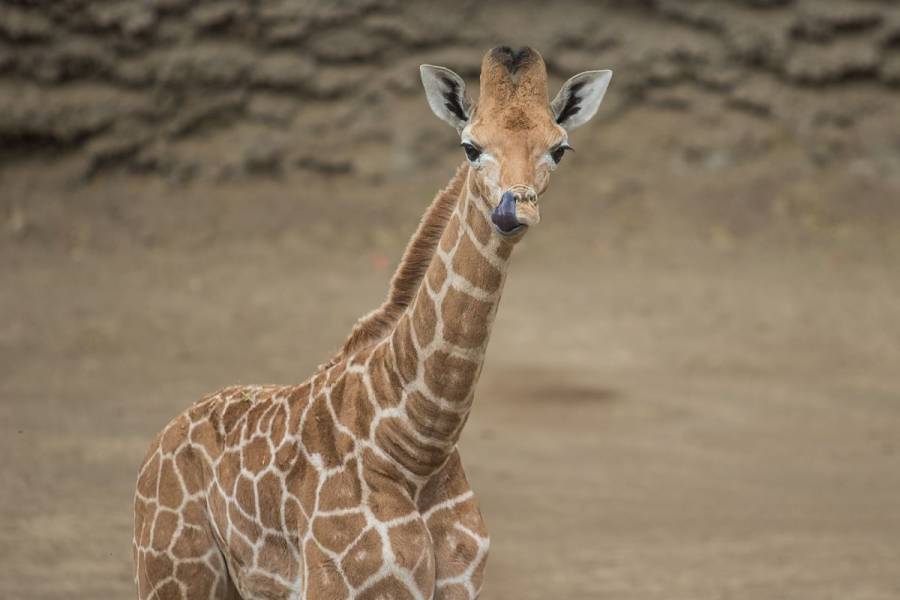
436 351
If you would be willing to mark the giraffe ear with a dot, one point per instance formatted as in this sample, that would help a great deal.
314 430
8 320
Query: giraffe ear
580 97
446 93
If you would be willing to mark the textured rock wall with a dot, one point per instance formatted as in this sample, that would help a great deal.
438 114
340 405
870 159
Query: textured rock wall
228 88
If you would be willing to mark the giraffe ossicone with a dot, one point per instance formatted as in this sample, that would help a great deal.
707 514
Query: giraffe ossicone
350 484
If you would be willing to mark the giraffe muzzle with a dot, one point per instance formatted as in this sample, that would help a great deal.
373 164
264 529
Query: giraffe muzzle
518 209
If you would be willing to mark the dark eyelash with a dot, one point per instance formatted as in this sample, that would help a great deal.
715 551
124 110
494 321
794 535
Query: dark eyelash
557 153
472 151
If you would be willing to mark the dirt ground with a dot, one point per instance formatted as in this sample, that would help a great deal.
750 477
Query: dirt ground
692 390
693 385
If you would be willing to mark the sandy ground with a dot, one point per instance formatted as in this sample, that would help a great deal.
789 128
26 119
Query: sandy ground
692 391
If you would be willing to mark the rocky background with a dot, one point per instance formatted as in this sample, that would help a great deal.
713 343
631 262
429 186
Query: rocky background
692 388
132 85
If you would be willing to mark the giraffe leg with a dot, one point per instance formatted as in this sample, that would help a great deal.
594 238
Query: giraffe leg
458 532
163 576
176 556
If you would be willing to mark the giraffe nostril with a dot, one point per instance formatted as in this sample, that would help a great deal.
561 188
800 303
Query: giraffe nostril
522 193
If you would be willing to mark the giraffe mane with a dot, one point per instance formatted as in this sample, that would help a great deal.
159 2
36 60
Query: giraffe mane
407 279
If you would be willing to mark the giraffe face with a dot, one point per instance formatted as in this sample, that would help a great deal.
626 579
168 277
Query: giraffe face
514 137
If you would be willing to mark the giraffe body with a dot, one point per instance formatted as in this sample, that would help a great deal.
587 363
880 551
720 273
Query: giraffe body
350 485
262 495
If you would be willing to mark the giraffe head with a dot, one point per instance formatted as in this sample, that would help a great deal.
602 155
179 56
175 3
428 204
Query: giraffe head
514 136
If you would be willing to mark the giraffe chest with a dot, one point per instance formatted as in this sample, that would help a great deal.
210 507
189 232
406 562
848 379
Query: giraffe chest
393 559
310 514
340 554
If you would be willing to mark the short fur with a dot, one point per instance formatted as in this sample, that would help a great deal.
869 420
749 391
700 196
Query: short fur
509 79
513 60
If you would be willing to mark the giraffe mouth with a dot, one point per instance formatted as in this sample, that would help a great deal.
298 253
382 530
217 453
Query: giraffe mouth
513 216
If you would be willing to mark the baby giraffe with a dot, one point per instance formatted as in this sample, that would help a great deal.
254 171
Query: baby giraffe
350 485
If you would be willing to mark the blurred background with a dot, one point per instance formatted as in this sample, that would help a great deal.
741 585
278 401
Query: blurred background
693 388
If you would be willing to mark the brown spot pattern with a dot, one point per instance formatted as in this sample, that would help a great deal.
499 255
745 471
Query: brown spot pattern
437 274
451 234
480 273
450 377
386 389
479 226
170 494
246 495
471 317
363 559
425 318
404 351
269 494
389 587
256 455
336 533
430 421
341 490
243 471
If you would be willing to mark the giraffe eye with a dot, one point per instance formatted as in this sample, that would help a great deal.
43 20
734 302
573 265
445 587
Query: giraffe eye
472 151
557 153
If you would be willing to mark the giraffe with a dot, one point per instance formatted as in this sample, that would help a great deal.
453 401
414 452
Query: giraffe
350 485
